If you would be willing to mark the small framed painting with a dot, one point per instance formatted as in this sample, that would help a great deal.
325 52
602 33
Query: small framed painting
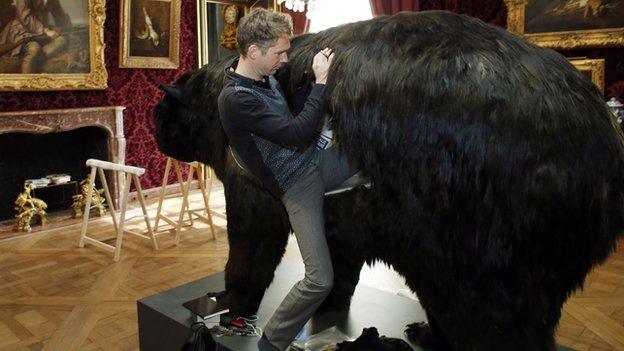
150 34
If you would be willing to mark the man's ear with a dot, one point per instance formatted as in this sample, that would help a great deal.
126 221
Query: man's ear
253 52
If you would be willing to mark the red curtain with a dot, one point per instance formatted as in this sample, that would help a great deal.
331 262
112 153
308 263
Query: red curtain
301 23
390 7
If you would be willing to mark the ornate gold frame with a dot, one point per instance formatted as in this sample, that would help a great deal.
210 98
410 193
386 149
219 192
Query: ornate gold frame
95 79
562 40
202 24
595 66
203 46
127 61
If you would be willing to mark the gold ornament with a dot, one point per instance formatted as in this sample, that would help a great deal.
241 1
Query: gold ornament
27 207
228 35
80 200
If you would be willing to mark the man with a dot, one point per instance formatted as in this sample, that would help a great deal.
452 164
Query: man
30 27
278 149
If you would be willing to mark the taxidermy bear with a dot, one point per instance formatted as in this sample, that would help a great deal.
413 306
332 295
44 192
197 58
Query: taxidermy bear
496 174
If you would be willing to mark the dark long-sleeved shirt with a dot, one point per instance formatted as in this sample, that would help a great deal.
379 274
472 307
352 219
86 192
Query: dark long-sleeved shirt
274 145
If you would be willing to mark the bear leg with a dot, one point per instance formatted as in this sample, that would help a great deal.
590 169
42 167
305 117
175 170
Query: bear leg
346 277
428 335
257 235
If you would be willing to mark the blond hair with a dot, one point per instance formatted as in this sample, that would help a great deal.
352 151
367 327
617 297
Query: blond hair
262 27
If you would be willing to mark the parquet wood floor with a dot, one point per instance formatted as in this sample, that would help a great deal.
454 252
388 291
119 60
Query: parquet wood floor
56 296
593 319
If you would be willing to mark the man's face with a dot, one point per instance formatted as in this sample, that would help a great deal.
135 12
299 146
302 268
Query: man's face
274 58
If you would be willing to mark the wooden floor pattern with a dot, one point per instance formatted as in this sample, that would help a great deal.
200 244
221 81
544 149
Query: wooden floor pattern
593 319
56 296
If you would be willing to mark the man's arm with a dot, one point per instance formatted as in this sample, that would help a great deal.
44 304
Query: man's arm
254 115
27 19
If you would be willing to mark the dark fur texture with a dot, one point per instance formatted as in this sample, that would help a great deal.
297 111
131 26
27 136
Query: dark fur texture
371 341
497 175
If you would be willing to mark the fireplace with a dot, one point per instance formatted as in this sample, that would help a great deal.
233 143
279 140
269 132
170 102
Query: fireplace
35 143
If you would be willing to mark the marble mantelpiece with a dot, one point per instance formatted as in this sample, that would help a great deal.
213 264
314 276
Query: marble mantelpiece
109 118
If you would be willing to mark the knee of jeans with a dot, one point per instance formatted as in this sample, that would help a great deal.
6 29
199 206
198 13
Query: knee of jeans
322 284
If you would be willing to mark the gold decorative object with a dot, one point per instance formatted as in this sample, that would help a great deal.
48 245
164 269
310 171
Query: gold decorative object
27 207
78 61
599 23
591 68
80 200
149 34
228 35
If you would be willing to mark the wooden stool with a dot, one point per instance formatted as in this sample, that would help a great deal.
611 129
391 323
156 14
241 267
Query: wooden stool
196 167
162 196
129 173
205 187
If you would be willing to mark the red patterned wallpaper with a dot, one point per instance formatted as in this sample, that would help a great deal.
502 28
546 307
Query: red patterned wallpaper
137 89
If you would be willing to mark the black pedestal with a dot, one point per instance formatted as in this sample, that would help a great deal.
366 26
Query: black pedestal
164 323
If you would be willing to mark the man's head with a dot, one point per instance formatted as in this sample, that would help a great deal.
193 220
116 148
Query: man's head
263 37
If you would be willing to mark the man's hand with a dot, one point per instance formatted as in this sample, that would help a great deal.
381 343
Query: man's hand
321 63
51 33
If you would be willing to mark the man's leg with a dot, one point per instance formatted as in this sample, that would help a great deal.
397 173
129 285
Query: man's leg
31 57
55 46
304 203
334 168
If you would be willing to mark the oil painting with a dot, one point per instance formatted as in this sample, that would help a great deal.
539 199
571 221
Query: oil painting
150 34
567 24
52 45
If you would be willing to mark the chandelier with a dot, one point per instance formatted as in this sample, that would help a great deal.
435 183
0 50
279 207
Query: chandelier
300 5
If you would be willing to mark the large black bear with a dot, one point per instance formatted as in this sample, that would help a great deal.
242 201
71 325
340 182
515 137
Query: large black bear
497 174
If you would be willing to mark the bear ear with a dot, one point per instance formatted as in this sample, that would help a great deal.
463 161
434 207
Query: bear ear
172 91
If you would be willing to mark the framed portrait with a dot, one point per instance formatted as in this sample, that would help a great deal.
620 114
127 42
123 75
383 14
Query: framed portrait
593 69
568 24
52 45
150 34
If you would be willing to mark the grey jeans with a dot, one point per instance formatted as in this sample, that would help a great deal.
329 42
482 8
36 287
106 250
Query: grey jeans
304 204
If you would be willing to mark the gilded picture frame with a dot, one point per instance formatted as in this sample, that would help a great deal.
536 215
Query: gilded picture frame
211 23
149 34
213 31
71 58
567 24
592 69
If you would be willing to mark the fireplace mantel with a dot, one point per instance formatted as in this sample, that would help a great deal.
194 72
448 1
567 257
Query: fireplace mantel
109 118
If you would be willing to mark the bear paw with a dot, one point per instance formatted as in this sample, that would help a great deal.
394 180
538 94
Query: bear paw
420 334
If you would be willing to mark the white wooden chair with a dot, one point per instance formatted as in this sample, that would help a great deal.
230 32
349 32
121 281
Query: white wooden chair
129 174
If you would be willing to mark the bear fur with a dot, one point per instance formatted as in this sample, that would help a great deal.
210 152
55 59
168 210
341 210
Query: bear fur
371 341
496 169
